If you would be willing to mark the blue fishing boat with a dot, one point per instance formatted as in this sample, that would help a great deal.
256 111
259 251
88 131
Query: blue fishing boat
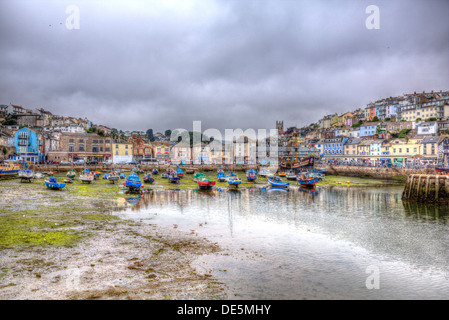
122 176
307 180
164 176
230 175
52 183
113 177
277 184
179 173
173 177
234 181
148 179
221 177
106 176
133 183
251 175
155 171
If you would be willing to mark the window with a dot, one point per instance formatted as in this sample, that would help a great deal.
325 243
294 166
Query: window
126 152
81 147
71 148
81 141
126 146
116 146
94 148
116 152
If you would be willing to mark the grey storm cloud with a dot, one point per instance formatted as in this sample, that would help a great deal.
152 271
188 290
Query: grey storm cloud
231 63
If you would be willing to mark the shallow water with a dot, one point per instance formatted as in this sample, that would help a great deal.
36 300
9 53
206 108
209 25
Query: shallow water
331 244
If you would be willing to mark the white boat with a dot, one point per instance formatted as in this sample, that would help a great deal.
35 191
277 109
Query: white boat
26 175
87 176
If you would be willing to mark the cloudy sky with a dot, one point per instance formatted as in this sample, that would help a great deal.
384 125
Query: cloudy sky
230 63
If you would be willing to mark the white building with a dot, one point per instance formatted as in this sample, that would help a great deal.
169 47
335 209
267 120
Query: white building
427 128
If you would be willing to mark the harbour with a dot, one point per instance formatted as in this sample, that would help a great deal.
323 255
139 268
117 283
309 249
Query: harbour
259 242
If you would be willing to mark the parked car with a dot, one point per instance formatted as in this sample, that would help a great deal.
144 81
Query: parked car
92 162
64 163
79 162
133 163
107 162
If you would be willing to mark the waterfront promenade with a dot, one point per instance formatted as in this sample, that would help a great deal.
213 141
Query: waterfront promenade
375 172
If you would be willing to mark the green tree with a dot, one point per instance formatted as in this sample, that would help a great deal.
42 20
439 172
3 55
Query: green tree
167 133
150 135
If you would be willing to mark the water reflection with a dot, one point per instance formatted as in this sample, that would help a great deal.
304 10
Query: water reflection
321 238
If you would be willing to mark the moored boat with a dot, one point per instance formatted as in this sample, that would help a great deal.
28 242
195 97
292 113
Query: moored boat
204 183
148 179
251 175
307 180
291 175
26 175
197 176
442 170
52 183
173 177
277 184
71 174
221 177
133 183
179 173
155 171
86 176
234 181
9 169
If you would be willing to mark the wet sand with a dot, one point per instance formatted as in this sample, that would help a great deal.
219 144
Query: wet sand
110 258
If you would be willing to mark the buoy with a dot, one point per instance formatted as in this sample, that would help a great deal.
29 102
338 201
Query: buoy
348 181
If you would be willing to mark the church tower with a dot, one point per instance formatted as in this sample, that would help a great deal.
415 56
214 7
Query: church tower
279 126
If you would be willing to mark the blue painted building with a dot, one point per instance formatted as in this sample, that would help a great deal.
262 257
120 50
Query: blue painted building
368 129
28 145
334 146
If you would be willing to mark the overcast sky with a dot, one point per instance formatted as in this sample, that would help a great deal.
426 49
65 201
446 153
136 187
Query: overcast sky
231 63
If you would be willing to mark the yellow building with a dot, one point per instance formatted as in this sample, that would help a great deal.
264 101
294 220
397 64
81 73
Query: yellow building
351 147
161 151
403 149
343 117
122 152
437 109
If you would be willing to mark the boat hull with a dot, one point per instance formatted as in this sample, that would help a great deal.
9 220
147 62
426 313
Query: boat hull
54 186
308 183
278 184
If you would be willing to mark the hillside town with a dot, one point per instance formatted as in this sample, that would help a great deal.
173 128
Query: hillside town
408 130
